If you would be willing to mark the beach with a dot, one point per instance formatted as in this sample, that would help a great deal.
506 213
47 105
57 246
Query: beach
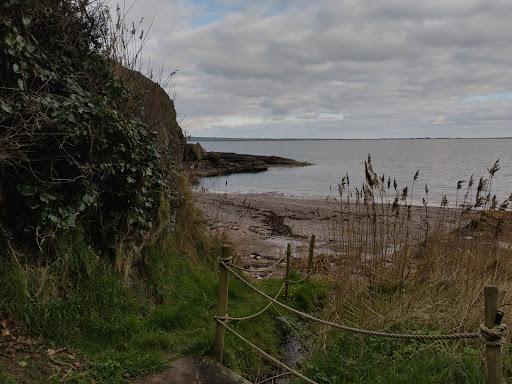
261 224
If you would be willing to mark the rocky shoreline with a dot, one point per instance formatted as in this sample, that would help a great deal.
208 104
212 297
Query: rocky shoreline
201 163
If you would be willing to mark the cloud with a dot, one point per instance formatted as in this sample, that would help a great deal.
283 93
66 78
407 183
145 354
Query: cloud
489 97
336 68
440 120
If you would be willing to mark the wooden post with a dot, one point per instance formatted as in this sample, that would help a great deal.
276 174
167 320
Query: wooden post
493 362
311 254
222 303
287 272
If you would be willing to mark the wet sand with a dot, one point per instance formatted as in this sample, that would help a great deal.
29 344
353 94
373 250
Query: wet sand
261 224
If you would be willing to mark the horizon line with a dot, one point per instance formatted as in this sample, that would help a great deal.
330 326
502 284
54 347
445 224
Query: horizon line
222 138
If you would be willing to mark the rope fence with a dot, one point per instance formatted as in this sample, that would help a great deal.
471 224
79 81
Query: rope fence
491 333
301 280
362 331
254 314
266 355
260 269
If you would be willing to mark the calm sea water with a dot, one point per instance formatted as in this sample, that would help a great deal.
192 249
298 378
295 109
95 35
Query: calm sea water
441 164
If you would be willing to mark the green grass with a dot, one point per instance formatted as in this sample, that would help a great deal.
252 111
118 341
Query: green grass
130 329
352 359
340 357
123 330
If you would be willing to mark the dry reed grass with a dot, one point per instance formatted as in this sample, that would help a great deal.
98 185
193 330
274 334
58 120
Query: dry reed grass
398 266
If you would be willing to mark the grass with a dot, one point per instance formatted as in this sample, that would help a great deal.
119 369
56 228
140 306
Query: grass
342 357
429 280
409 268
120 330
349 359
87 323
431 262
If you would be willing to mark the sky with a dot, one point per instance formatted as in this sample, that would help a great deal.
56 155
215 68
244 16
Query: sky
335 69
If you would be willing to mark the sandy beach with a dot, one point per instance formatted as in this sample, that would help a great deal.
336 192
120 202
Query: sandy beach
261 224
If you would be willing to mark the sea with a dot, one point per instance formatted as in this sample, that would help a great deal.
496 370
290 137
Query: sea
441 163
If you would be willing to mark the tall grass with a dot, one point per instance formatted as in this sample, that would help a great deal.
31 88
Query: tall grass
393 264
399 266
384 242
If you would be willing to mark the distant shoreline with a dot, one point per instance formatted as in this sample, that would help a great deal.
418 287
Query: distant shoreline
201 138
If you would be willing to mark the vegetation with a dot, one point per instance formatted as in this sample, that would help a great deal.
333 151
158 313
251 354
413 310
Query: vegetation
107 271
350 359
440 255
108 331
73 151
405 268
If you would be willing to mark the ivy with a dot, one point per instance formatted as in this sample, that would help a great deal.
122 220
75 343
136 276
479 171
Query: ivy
71 152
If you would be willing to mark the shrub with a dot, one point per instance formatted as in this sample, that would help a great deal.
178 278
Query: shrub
72 149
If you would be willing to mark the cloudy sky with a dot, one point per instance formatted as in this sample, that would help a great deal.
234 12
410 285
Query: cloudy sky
342 68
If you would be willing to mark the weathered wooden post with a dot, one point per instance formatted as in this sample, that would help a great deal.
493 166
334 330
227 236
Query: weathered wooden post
311 254
222 303
287 272
493 361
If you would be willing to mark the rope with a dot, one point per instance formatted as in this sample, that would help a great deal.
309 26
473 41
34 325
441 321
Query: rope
263 269
255 314
300 280
453 336
266 355
273 377
228 260
495 336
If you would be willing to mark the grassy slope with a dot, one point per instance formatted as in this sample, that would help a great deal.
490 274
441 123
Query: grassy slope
121 332
117 331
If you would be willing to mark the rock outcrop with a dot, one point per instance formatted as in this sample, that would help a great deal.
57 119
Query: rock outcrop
207 164
194 152
156 109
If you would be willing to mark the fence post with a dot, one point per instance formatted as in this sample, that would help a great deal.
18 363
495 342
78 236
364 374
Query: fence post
493 361
287 272
311 254
222 303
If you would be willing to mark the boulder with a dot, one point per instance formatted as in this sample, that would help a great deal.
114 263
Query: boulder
195 370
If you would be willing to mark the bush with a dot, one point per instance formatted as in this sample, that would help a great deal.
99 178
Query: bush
72 150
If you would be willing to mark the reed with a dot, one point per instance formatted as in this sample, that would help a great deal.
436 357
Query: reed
394 262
